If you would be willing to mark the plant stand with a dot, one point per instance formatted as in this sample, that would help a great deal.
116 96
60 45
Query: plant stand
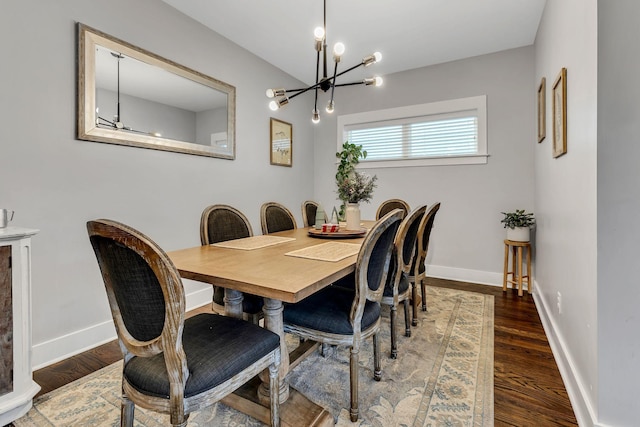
515 276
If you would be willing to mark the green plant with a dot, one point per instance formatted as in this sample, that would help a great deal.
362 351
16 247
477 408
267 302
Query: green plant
352 184
517 219
349 158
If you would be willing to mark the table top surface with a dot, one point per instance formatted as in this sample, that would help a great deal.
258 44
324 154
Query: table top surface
266 271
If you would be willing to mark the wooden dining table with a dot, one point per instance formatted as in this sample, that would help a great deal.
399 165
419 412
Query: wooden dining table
280 274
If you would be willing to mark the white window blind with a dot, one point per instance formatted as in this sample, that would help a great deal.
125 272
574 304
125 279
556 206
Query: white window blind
448 132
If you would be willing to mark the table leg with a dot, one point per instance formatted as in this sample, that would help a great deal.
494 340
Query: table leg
273 321
233 303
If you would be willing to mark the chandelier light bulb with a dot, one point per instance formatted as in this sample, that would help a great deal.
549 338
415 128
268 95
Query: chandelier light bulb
270 93
315 117
377 56
330 107
273 105
318 33
378 81
338 51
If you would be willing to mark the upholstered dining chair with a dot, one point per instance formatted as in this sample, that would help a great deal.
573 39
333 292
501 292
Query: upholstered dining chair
219 223
417 273
171 364
309 209
398 287
391 204
338 316
275 217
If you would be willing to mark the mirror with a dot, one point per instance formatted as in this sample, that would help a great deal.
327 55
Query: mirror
129 96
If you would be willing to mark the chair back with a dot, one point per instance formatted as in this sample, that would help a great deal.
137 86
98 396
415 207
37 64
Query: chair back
422 244
309 209
144 289
391 204
372 265
220 223
275 217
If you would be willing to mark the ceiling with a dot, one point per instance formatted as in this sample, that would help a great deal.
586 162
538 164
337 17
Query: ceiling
408 33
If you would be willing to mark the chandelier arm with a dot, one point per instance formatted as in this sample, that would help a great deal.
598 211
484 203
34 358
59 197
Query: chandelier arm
333 80
350 84
347 70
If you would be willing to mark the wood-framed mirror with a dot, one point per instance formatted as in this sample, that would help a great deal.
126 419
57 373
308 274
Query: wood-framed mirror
129 96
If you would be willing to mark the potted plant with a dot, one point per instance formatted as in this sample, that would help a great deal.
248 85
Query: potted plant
353 186
518 225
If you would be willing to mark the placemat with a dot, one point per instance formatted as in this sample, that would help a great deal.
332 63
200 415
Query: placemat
253 242
330 251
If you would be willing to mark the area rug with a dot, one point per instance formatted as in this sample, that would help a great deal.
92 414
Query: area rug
443 376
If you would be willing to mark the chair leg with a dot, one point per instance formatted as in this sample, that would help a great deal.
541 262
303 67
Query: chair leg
377 363
394 339
274 390
407 319
353 369
414 299
127 410
423 288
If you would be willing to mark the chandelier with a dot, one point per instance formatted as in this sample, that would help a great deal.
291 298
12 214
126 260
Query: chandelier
283 96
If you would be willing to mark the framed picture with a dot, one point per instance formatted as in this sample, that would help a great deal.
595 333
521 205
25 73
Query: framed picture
281 142
542 110
560 114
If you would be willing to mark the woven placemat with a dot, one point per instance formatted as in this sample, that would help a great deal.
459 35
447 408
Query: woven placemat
253 242
330 251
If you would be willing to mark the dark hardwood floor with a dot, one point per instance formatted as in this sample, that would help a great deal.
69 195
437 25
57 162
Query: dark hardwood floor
528 389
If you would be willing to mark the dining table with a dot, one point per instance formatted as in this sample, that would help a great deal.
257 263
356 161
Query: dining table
283 268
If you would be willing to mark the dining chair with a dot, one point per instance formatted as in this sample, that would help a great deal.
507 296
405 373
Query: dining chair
397 287
417 273
171 364
219 223
391 204
275 217
309 209
337 316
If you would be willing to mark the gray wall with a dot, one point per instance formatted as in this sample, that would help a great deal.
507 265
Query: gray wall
566 198
467 236
618 206
56 183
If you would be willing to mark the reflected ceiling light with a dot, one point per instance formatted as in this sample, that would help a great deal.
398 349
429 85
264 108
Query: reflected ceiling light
283 96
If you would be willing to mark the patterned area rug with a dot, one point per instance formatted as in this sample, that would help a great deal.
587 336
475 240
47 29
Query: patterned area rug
443 377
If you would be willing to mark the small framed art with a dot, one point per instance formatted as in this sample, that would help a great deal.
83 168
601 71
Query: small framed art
281 142
560 114
542 110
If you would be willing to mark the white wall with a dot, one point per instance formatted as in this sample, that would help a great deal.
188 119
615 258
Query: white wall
618 207
467 237
56 183
565 201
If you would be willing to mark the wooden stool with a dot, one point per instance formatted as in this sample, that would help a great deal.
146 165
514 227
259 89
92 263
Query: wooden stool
516 261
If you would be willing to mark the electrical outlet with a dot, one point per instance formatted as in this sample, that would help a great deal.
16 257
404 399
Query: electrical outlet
559 303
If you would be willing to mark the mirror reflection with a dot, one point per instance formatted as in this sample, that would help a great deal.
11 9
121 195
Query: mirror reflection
132 97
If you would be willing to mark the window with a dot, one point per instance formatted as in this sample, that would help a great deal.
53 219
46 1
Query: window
440 133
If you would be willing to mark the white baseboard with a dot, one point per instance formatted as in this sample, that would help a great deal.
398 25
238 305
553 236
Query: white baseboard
60 348
465 275
576 388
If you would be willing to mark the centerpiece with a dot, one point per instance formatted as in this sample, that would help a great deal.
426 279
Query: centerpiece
353 186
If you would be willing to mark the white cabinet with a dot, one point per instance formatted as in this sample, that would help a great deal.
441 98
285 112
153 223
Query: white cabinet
17 387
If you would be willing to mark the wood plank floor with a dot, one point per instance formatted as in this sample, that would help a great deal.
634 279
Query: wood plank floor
528 389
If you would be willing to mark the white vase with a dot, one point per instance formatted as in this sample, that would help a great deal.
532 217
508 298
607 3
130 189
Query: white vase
353 216
518 234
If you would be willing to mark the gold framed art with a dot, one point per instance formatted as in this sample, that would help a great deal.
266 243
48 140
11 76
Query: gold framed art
560 114
542 110
281 143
